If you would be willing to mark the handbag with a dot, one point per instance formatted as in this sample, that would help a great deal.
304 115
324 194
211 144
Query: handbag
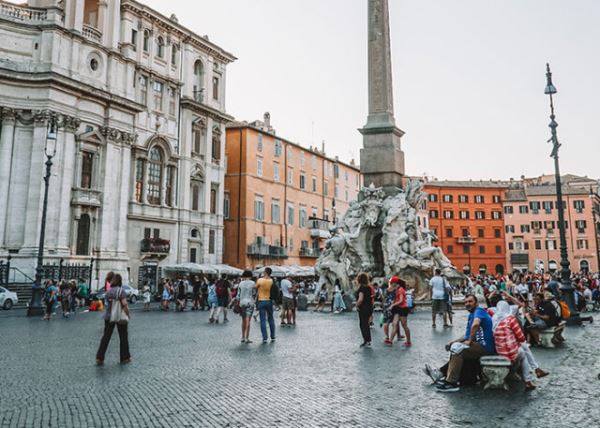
117 314
237 309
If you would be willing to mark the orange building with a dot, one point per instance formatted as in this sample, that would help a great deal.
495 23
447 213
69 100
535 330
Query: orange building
467 218
280 197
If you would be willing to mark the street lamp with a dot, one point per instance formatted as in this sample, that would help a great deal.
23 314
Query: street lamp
565 273
35 305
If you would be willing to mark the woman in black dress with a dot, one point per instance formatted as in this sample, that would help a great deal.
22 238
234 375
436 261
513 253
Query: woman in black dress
364 304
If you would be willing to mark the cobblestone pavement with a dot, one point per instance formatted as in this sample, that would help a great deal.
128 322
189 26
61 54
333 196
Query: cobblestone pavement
186 373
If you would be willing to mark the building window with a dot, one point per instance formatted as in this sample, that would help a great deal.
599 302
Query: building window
497 233
465 249
535 206
548 206
278 148
346 196
537 244
496 199
139 179
259 167
303 217
143 90
87 168
551 244
335 191
226 205
449 232
582 244
301 160
195 197
290 214
580 225
172 96
134 39
579 206
169 186
447 198
314 163
174 52
155 160
464 232
479 199
259 143
213 201
158 95
450 249
314 184
509 228
336 170
525 228
480 233
259 210
216 145
433 197
160 47
197 138
193 255
496 215
211 241
290 178
480 215
325 188
215 88
433 213
198 81
482 249
498 249
463 199
275 212
448 214
464 215
83 236
276 172
302 182
146 41
508 209
511 246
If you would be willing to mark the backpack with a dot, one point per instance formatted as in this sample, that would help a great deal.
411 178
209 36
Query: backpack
221 289
565 312
274 293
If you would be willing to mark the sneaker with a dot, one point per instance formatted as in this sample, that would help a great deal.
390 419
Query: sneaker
248 341
243 340
273 339
434 374
225 320
216 321
265 341
447 387
541 373
408 344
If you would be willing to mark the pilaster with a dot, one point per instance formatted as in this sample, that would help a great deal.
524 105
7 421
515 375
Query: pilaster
6 147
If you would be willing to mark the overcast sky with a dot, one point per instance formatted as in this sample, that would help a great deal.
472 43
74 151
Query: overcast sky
468 77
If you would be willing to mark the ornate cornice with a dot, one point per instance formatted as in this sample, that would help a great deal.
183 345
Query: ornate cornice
117 136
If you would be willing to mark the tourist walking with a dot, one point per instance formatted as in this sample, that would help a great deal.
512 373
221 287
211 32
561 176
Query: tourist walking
223 298
437 292
387 316
338 300
264 299
65 298
287 301
245 298
196 295
321 298
50 297
166 296
400 311
364 304
181 300
212 302
116 315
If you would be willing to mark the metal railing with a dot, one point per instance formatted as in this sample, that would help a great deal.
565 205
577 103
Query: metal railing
92 33
310 252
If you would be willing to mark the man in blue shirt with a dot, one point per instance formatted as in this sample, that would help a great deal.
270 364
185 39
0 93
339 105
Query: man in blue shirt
477 342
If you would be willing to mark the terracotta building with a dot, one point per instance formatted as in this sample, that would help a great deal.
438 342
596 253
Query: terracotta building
531 224
467 218
280 197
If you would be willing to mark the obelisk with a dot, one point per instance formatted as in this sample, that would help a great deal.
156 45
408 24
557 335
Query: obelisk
381 159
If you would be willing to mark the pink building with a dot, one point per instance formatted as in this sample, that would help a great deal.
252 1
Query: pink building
531 224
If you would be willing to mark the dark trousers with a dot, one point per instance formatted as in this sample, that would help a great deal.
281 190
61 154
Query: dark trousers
109 327
265 310
363 318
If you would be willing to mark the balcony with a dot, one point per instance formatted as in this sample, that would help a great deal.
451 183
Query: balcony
155 246
86 197
319 229
278 252
22 14
92 34
466 240
310 252
261 250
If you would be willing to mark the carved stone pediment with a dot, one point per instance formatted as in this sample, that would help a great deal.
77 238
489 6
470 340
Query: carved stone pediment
92 137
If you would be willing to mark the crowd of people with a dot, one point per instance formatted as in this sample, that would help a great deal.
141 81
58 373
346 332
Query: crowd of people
71 294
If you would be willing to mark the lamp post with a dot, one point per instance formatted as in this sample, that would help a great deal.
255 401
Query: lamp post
35 305
565 273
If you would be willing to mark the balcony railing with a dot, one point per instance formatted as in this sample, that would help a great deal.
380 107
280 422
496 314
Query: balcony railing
310 252
92 33
258 250
156 246
278 252
265 250
466 240
319 229
20 13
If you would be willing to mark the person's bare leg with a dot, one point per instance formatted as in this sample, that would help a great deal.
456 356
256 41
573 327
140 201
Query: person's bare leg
404 322
433 316
395 327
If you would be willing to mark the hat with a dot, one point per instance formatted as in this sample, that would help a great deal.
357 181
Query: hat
548 295
395 280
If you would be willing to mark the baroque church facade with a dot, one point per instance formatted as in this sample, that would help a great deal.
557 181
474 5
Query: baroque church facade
138 105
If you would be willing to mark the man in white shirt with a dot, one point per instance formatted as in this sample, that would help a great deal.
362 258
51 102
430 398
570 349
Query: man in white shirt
288 301
438 287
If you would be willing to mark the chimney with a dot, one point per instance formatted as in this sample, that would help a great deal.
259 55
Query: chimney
267 121
323 147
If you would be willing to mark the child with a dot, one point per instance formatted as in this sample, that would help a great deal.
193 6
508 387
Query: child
146 298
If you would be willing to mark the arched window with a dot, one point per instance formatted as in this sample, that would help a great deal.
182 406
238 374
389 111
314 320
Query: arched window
195 197
584 267
194 233
482 268
499 269
213 201
198 81
146 41
160 47
83 236
155 161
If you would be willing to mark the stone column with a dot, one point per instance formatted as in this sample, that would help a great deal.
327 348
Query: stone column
6 146
123 198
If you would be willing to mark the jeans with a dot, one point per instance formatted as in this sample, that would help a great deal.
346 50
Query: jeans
363 319
109 327
265 309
